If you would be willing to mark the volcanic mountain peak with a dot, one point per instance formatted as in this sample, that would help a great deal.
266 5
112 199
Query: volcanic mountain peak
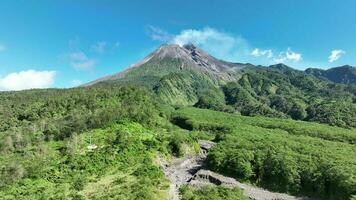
194 56
171 51
187 52
190 57
165 51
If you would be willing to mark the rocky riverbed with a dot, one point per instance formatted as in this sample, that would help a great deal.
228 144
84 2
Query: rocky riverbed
190 170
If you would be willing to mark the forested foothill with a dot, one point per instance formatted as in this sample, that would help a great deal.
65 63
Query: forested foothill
77 143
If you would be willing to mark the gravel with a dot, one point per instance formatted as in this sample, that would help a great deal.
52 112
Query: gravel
190 170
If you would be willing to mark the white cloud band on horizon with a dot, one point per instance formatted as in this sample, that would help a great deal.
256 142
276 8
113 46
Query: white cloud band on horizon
28 79
336 54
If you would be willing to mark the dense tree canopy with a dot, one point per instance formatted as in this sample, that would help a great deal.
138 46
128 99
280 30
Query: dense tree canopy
281 155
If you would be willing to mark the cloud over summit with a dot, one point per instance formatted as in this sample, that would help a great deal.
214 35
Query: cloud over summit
220 44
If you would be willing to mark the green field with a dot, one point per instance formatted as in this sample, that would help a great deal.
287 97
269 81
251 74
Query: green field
211 193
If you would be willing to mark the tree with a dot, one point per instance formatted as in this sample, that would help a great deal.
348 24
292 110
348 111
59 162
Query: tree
297 112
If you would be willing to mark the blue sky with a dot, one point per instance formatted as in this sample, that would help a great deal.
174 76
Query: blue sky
66 43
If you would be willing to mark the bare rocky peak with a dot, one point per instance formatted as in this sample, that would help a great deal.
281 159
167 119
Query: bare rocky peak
193 55
171 51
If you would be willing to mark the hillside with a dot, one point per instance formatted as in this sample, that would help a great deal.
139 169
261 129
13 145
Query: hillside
116 138
106 142
187 75
300 158
110 140
177 74
345 74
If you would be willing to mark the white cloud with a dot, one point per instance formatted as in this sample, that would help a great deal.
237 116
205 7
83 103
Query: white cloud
225 46
293 56
75 83
218 43
335 55
202 37
288 55
80 60
2 48
99 47
158 34
28 79
259 52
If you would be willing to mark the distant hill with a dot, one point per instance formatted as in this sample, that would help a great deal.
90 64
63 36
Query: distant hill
345 74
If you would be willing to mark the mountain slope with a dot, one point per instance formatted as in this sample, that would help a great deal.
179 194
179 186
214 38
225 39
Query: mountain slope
345 74
177 74
174 58
189 76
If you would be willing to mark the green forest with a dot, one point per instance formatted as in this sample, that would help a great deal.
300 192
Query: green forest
45 136
297 158
276 91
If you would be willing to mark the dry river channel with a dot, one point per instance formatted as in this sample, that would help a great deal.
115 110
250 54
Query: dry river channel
191 170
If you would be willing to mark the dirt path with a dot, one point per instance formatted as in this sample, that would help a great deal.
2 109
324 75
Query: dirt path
189 170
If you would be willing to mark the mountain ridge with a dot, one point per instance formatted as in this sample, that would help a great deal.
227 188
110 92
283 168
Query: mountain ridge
345 74
192 55
187 76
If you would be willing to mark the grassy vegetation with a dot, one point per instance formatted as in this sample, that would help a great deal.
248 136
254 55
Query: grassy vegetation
45 135
274 91
211 193
279 91
172 80
121 167
301 158
221 121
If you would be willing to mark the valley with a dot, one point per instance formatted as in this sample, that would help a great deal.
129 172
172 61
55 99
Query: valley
181 124
177 100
